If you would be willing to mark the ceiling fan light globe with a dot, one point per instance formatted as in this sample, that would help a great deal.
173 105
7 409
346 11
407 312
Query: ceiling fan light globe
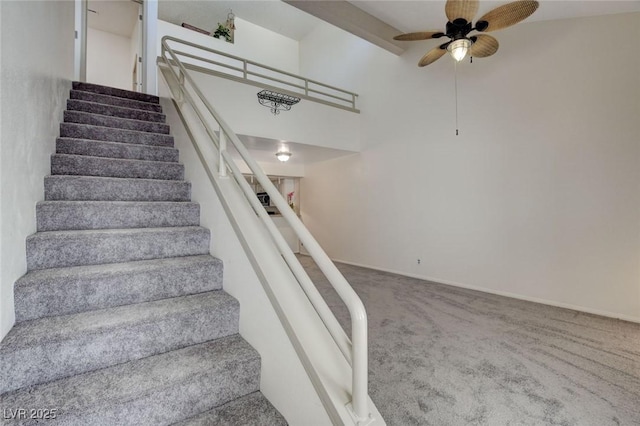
459 48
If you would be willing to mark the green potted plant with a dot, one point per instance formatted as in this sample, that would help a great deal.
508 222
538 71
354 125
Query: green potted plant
222 32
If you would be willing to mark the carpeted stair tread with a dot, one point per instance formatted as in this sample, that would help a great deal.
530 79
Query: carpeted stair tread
76 215
115 111
156 390
63 291
50 348
113 134
56 249
114 100
121 317
112 91
116 150
114 122
85 165
252 409
92 188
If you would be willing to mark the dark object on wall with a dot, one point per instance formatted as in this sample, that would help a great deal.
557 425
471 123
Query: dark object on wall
223 32
227 30
276 101
264 198
192 28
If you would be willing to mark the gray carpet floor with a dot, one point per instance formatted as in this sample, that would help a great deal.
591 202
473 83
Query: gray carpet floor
441 355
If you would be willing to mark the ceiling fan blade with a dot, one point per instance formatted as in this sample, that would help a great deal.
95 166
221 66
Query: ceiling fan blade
432 56
507 15
484 45
422 35
465 9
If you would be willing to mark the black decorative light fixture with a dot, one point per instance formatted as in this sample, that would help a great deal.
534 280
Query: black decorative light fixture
276 101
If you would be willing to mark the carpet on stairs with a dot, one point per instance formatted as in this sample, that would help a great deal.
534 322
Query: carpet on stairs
121 317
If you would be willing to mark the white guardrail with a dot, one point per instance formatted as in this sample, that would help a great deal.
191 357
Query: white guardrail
354 350
242 70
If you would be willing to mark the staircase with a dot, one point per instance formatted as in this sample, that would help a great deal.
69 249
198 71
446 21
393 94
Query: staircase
121 317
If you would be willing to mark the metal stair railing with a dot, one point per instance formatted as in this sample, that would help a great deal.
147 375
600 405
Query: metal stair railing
249 72
354 349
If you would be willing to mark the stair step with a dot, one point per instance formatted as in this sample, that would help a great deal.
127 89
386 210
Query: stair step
115 122
116 150
252 409
57 249
84 165
121 316
111 91
157 390
113 100
63 291
51 348
91 188
112 134
115 111
76 215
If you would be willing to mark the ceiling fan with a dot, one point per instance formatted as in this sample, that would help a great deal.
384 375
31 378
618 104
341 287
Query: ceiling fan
460 14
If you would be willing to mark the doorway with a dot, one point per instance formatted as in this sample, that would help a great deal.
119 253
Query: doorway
113 43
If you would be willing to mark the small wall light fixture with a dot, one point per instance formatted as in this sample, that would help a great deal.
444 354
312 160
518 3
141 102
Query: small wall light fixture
276 101
283 156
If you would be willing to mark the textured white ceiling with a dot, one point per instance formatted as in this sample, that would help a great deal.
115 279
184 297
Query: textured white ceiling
113 16
264 150
409 16
118 16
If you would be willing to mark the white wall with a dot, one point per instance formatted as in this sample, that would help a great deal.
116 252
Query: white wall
109 59
37 66
135 48
80 42
149 42
250 41
539 195
308 122
275 169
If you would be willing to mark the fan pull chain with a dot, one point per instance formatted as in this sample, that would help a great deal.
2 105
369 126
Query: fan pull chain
455 73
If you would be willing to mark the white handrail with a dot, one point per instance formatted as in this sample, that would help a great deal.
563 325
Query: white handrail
354 350
301 88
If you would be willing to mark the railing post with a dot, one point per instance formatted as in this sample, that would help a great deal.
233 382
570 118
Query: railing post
306 87
244 67
181 87
353 100
222 166
359 391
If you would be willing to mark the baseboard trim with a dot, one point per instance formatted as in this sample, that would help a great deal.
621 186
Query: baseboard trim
501 293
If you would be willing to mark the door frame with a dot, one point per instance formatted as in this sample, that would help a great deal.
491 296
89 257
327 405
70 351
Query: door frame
148 33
